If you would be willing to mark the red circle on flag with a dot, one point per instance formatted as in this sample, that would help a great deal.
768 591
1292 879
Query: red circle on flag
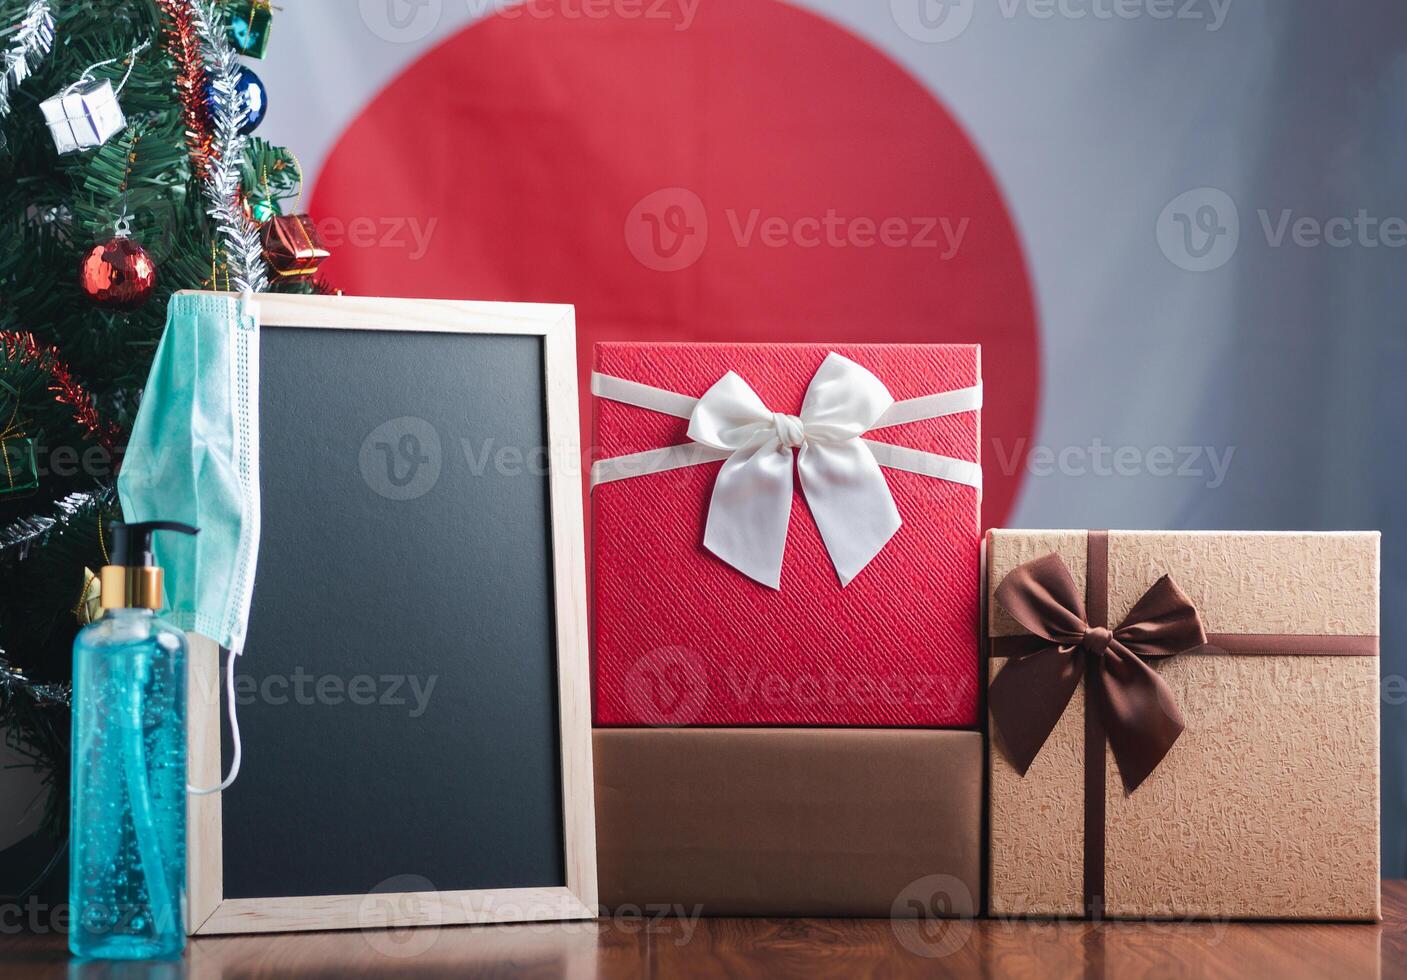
734 171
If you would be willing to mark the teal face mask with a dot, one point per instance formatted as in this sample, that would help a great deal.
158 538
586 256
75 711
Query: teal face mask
194 458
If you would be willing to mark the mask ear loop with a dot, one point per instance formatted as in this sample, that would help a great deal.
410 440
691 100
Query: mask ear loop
249 309
234 732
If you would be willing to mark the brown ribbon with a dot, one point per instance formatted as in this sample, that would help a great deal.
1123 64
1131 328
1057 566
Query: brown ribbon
1131 703
1127 705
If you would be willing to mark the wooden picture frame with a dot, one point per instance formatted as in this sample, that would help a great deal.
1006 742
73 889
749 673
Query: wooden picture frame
210 911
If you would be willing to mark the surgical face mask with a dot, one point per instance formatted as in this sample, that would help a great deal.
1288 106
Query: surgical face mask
194 458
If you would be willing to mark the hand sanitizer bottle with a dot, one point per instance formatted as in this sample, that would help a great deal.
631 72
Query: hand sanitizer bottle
127 884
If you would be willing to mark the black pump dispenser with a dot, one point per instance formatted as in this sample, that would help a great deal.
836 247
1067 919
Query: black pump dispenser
133 580
131 543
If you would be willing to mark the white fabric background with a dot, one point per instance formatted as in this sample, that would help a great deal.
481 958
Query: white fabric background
1291 358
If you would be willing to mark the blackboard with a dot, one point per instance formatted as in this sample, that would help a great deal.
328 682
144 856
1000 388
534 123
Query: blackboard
408 695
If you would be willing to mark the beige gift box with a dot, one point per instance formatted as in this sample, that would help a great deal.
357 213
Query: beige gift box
1267 804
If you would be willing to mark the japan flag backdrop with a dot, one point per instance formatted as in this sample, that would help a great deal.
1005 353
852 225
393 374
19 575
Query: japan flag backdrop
1177 227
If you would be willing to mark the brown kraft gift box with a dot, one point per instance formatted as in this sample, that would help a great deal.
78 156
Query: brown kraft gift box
1236 777
789 822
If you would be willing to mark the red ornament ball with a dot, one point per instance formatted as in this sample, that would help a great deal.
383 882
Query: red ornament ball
117 274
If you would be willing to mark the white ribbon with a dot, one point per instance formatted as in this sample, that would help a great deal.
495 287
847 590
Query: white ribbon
840 472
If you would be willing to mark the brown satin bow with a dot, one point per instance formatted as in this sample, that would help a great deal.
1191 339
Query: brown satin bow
1029 694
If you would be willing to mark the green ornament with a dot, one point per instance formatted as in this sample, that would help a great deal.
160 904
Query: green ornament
250 23
262 209
19 465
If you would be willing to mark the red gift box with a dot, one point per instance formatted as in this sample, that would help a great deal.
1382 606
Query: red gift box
683 638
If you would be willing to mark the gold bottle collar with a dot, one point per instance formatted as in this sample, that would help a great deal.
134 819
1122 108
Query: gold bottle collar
125 587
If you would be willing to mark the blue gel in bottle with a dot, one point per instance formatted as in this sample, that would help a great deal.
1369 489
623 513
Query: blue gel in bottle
127 882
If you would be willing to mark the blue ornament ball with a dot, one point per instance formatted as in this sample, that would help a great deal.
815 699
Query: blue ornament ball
250 90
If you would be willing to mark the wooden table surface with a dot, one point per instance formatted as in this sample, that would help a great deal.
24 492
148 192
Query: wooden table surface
634 947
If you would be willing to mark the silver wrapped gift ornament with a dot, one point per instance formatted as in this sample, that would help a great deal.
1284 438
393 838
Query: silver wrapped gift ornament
83 116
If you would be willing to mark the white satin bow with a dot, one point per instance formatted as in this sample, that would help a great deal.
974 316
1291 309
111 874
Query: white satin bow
847 493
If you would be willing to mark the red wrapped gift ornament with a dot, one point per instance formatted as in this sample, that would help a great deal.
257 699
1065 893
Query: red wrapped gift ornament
723 596
291 245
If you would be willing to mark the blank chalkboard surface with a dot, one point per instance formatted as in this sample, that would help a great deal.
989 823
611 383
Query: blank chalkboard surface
412 692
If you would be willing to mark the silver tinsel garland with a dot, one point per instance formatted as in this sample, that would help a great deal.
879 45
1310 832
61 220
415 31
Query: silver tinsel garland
243 248
33 39
17 538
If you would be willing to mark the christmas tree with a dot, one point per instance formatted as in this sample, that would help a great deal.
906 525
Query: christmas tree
127 171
